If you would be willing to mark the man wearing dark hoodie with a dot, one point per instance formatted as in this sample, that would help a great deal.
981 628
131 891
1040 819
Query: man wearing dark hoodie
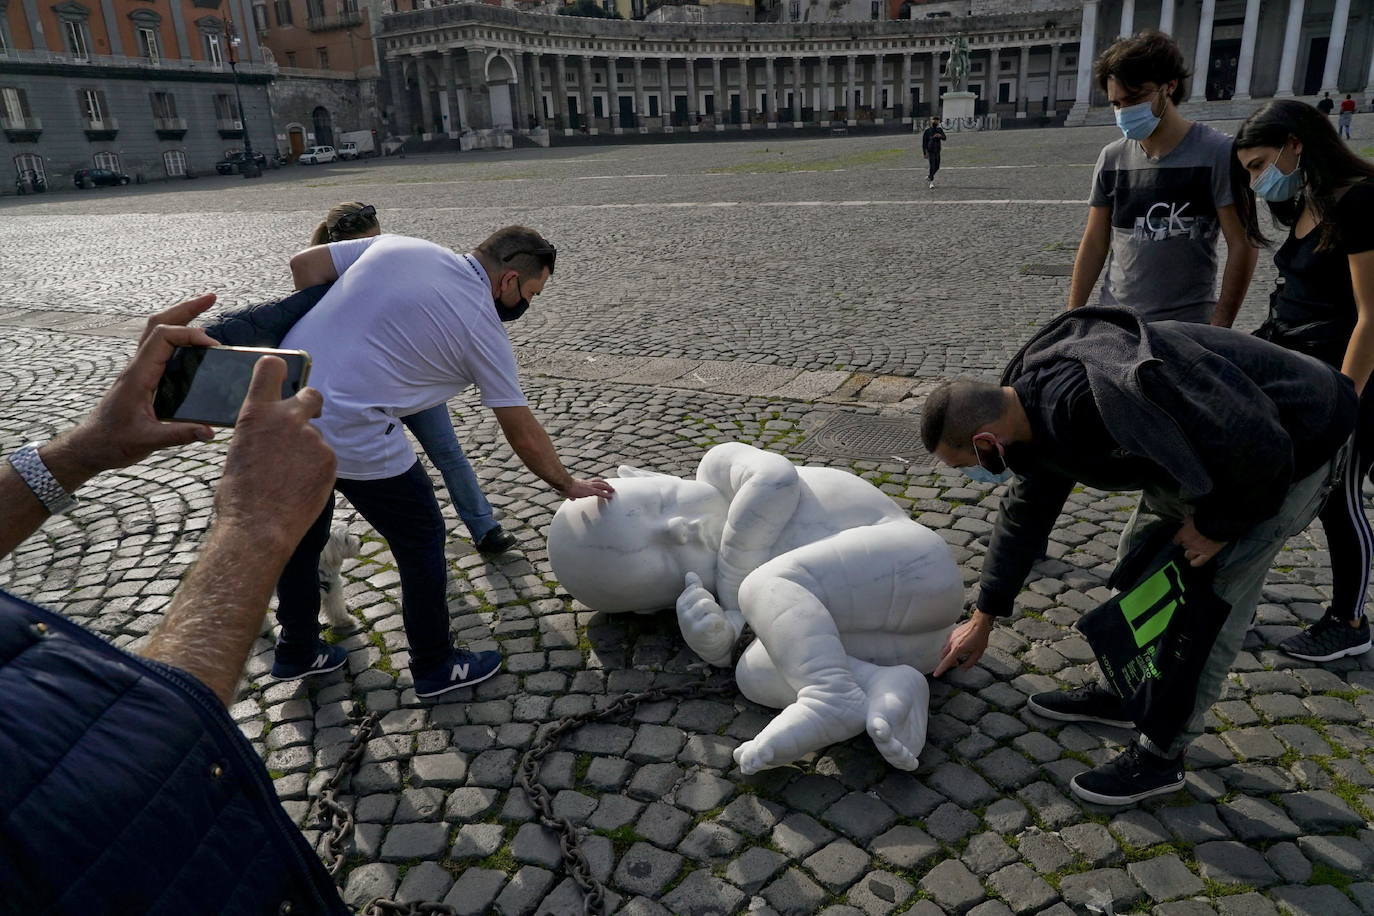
1232 440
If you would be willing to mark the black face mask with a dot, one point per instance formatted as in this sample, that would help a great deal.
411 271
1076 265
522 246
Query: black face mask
511 312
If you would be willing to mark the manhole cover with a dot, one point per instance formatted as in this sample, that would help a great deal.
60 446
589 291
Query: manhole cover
1047 270
858 436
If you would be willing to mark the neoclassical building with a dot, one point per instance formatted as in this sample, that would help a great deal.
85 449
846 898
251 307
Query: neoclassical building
450 68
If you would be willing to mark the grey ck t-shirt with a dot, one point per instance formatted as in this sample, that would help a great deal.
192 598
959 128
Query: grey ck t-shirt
1163 258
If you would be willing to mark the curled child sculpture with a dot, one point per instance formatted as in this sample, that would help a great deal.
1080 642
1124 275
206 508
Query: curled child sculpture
850 600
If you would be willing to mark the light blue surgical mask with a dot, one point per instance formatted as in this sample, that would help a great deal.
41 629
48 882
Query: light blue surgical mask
1275 186
1137 122
983 475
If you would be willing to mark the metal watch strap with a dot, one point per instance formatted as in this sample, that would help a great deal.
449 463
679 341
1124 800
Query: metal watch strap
29 465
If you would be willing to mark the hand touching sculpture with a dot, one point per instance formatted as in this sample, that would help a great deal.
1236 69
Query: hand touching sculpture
849 598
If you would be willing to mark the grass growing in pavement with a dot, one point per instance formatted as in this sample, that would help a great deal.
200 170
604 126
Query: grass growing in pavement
1325 874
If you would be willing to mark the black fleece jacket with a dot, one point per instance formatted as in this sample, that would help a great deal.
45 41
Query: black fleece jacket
1222 420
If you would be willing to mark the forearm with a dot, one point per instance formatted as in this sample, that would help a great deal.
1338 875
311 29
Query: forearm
1087 267
21 512
1359 353
1235 282
535 450
218 610
1025 518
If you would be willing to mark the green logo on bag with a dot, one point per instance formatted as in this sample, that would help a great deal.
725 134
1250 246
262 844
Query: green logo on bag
1150 606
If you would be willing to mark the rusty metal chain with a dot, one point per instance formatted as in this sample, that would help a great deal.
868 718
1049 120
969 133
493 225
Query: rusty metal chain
527 775
342 823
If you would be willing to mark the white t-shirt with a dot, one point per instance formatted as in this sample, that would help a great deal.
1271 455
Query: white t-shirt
408 325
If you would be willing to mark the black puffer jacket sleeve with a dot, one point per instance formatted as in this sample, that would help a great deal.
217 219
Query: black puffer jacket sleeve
265 324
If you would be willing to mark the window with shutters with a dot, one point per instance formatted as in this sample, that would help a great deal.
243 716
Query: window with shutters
78 45
92 103
164 105
106 161
30 162
283 12
148 47
226 108
14 106
322 58
174 160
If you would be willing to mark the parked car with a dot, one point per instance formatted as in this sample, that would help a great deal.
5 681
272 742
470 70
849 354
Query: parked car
234 160
91 178
318 154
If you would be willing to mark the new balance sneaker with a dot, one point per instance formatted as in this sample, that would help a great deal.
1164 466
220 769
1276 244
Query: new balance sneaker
463 669
324 659
1128 777
1089 703
497 540
1328 639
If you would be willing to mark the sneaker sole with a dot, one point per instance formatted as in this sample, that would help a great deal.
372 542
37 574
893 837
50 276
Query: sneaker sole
310 673
479 680
1353 650
1046 713
1090 796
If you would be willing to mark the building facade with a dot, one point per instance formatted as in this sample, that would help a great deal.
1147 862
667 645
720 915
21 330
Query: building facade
448 69
145 87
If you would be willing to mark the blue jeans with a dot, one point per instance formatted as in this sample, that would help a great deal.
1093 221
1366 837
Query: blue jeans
433 429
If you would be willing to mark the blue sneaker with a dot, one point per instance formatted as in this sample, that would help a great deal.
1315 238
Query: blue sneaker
463 669
324 659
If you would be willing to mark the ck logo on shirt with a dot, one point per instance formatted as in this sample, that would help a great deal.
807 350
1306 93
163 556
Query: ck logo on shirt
1168 220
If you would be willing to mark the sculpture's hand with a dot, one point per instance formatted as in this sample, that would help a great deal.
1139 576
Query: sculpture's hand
705 625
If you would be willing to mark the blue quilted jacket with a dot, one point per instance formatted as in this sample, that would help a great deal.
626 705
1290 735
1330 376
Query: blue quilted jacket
125 788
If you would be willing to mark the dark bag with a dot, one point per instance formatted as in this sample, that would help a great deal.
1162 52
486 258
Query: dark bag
1153 638
1324 339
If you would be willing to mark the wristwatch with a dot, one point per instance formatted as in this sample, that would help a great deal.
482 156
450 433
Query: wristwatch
35 473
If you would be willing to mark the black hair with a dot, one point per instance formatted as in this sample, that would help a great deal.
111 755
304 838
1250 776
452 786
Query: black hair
1327 166
954 412
520 249
1149 56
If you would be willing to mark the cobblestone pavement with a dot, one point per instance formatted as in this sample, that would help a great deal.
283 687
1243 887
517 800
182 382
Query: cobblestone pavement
749 291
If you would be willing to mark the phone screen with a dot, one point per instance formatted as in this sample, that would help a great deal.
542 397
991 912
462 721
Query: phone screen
208 384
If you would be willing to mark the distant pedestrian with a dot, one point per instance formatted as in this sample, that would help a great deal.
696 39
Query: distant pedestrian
1160 197
1325 105
931 142
1347 116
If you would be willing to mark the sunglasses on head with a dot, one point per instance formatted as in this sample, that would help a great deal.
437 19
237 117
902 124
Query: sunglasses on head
353 222
546 253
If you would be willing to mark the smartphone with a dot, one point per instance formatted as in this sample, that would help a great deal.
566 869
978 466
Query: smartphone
208 384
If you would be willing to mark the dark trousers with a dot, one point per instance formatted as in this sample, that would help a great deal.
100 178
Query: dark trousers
1349 538
404 512
934 157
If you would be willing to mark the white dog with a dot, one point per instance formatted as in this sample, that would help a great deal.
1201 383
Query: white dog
341 546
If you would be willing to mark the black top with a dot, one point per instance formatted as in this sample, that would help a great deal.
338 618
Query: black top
1316 286
1325 106
931 140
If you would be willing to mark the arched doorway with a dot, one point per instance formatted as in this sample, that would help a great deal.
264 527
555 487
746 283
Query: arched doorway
500 78
324 130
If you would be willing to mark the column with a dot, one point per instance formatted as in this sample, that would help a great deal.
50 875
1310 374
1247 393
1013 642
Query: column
994 83
1054 79
933 84
396 84
1166 16
877 102
1087 50
560 92
1331 75
479 96
519 97
770 86
904 91
426 103
584 80
746 99
797 105
692 100
537 89
1022 89
613 97
717 94
639 104
1369 83
1247 50
665 96
1202 60
851 116
1127 19
1288 63
451 92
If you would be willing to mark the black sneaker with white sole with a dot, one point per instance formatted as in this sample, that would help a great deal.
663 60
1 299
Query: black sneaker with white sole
322 660
1327 640
1128 777
461 669
1089 703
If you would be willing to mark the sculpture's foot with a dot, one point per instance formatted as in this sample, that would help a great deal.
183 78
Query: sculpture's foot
897 714
706 627
818 718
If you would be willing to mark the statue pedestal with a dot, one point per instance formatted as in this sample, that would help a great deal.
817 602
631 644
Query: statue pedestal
956 106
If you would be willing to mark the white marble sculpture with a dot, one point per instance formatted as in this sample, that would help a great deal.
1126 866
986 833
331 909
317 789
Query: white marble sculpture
849 598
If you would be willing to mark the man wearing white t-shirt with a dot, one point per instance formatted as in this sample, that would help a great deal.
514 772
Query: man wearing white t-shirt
407 325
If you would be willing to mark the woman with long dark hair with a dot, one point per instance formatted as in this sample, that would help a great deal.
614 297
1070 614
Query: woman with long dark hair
1288 154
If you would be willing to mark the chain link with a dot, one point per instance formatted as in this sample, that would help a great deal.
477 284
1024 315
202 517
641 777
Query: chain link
342 823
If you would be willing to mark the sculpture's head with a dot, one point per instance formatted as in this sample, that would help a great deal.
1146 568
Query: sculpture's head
632 552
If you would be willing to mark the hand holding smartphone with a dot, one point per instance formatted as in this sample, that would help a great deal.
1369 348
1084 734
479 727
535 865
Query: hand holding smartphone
208 384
